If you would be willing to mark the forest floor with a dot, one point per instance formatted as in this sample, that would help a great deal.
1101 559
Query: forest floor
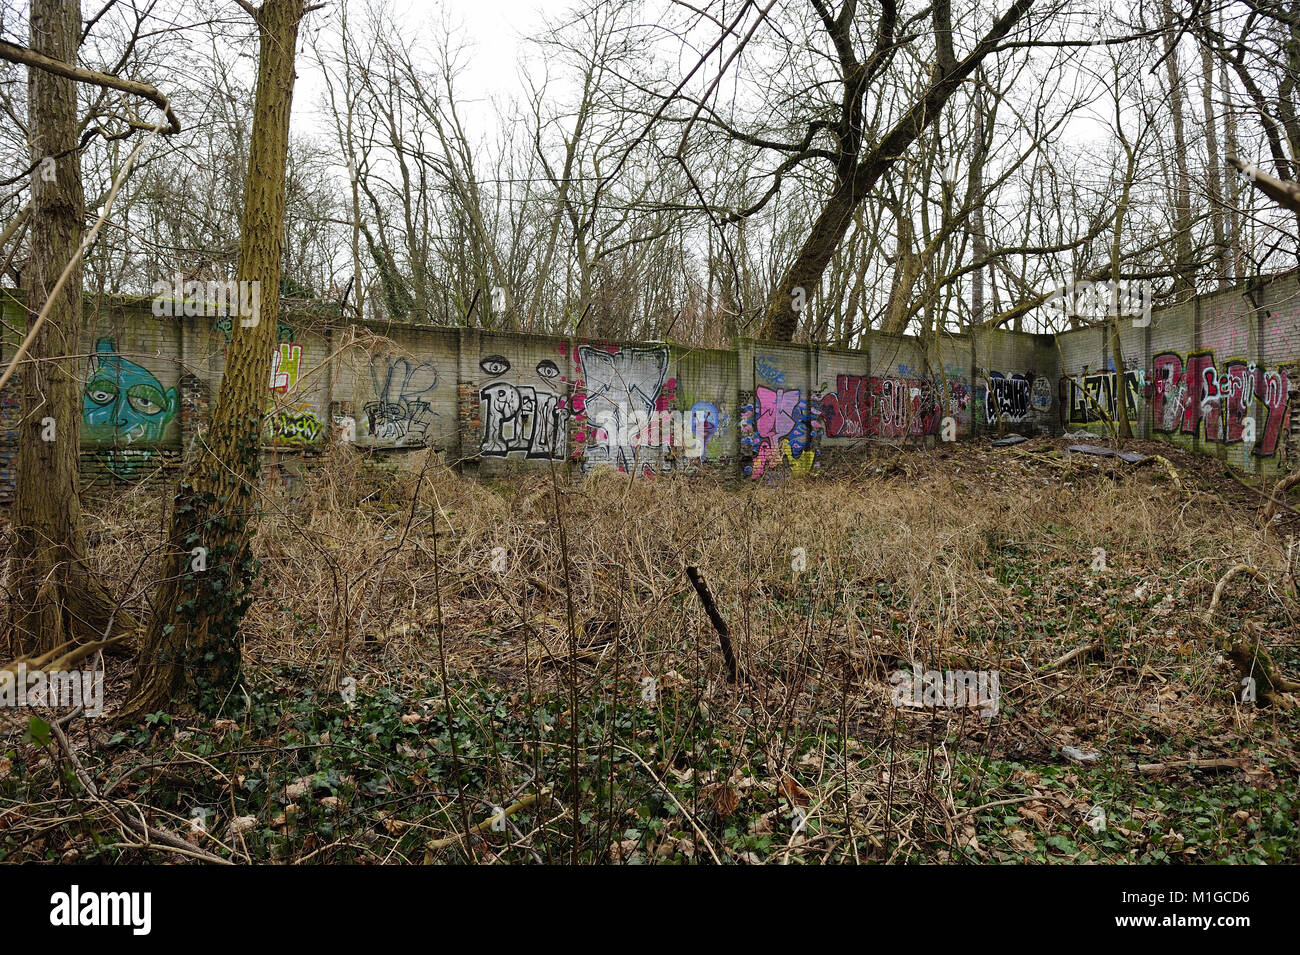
546 654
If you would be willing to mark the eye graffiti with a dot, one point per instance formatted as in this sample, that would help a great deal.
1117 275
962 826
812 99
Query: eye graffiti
124 403
522 418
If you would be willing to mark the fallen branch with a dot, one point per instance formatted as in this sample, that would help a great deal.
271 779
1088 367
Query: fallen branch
720 625
1254 662
1233 571
1276 496
1041 457
1158 769
1073 655
541 797
152 834
1169 466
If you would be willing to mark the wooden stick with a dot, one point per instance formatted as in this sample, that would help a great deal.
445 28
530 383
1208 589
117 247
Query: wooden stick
543 797
1073 654
1156 769
715 618
1169 466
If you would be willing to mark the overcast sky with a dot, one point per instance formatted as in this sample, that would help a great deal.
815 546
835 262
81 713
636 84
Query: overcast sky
493 30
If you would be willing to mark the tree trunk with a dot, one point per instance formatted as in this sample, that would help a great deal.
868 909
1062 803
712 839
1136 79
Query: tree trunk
1184 267
858 175
1231 148
56 596
193 641
1212 179
806 273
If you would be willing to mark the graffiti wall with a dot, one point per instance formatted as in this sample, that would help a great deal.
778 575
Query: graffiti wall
780 423
623 392
779 428
706 384
1216 374
907 397
1234 401
399 395
528 419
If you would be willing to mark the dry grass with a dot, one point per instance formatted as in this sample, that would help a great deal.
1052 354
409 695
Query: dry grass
966 559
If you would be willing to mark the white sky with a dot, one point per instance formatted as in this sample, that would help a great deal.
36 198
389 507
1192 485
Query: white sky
494 32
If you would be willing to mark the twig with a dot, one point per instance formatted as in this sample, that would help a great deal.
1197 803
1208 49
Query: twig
151 834
1073 654
1156 769
720 625
669 793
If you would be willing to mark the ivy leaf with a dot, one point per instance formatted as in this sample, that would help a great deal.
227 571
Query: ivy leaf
38 731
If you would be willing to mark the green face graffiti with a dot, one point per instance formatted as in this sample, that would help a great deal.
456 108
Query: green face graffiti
124 404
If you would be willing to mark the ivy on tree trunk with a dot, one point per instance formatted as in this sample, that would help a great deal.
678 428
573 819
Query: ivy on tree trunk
193 643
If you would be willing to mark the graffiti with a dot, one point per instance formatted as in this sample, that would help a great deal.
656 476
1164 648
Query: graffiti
522 418
620 383
345 428
548 369
780 424
495 365
283 332
286 366
1093 397
400 412
1041 395
1187 395
956 400
862 406
706 422
848 407
765 367
902 406
1006 399
295 426
124 404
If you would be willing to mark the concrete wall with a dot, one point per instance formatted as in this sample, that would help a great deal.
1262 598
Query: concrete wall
1216 374
1205 375
498 402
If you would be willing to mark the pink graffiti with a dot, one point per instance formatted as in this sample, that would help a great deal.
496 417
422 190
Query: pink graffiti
776 410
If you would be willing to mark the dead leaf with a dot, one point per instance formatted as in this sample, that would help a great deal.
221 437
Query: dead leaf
792 791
